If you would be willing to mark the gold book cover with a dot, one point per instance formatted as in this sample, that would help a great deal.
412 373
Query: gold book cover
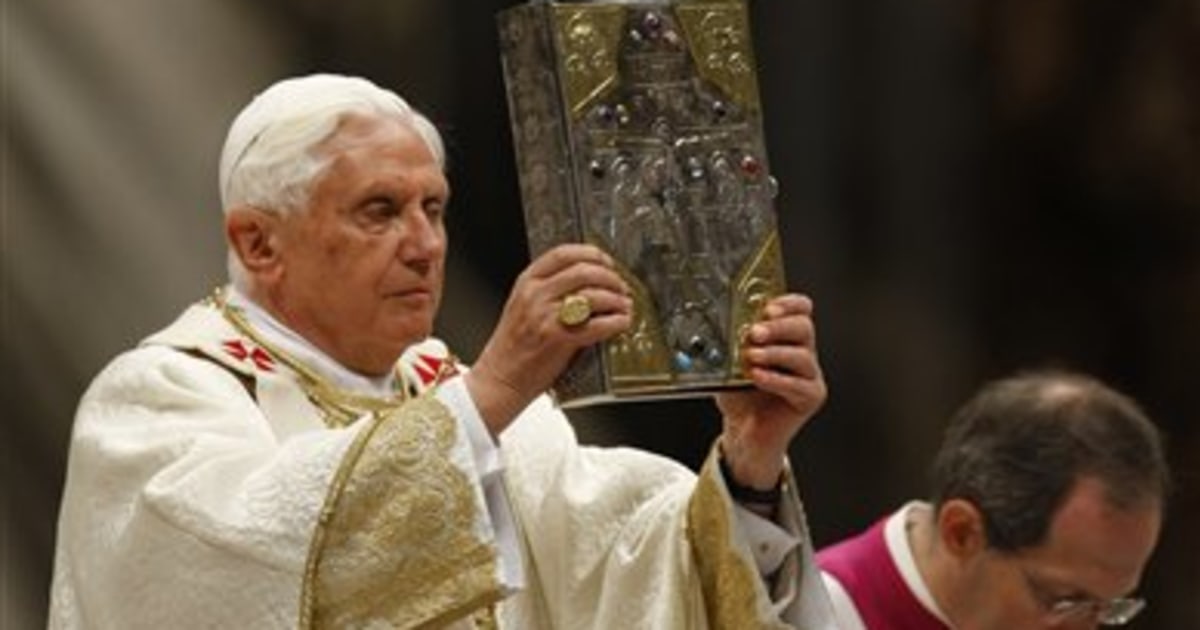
637 127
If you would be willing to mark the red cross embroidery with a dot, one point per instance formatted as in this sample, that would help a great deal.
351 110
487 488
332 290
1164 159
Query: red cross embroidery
259 357
433 369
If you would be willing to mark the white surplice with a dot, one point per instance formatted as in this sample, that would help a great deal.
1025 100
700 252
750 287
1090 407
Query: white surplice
207 489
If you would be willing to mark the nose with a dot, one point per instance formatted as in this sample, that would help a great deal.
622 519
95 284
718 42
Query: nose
422 239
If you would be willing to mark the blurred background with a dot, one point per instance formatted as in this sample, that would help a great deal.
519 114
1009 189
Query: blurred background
968 188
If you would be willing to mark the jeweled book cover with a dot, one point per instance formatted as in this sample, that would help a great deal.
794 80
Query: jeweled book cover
637 127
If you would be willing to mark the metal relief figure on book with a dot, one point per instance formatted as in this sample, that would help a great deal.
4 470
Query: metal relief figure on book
637 128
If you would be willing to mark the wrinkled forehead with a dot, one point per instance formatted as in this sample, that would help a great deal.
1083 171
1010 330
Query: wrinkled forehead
373 146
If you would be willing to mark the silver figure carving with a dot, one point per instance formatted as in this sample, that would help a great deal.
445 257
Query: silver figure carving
637 128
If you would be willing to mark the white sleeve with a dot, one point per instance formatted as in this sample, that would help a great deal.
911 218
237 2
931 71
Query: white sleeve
454 394
769 542
606 530
621 538
174 472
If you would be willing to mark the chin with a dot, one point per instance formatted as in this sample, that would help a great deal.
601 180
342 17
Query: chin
402 337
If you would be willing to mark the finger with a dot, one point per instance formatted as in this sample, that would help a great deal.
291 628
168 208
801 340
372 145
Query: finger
795 360
599 327
605 301
788 304
798 392
607 313
584 275
602 327
566 255
790 330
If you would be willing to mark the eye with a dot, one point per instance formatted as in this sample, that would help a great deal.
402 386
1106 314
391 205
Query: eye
376 213
435 208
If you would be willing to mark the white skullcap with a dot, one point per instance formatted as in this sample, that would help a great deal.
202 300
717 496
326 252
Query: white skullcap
290 110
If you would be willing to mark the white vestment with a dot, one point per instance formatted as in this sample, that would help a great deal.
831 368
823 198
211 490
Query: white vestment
216 481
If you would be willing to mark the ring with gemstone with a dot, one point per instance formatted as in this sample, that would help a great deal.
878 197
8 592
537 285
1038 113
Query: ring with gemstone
574 310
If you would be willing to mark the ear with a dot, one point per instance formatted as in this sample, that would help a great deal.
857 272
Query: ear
960 529
253 235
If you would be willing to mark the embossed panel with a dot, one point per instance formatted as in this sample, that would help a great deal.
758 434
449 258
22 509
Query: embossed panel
637 128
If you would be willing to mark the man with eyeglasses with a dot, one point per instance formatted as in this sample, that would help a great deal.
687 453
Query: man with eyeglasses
1047 503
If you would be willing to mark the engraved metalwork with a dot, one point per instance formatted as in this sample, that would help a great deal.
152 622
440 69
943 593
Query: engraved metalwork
639 358
637 128
588 38
720 38
761 280
574 310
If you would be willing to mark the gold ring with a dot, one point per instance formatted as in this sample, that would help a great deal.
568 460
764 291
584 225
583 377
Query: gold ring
574 310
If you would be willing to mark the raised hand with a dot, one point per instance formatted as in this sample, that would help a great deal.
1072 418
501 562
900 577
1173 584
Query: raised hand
536 338
780 357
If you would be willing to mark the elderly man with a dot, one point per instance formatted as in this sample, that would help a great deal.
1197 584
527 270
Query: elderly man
1048 498
297 450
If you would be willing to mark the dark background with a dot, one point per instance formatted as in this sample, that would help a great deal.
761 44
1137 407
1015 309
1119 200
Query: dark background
968 188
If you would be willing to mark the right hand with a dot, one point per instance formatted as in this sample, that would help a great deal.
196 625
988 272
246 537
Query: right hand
530 347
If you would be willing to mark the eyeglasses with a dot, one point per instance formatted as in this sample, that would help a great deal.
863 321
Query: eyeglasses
1108 612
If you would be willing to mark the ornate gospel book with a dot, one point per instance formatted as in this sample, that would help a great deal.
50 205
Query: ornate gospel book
637 127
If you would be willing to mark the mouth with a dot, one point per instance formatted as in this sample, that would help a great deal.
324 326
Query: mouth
416 293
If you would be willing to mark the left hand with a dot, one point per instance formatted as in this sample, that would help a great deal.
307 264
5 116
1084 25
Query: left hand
780 358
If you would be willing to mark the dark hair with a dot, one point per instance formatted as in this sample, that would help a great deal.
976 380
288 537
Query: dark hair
1017 448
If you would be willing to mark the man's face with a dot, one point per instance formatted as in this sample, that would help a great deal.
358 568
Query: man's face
362 267
1094 553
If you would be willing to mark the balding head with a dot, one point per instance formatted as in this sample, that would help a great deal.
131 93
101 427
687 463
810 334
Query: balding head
1021 444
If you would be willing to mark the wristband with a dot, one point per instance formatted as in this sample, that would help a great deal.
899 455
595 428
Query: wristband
746 494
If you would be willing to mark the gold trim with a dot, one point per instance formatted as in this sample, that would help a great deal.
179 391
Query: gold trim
589 37
719 33
759 280
339 408
729 579
638 356
394 543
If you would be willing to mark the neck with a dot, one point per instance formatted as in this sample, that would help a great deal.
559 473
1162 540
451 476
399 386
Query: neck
365 360
281 337
935 568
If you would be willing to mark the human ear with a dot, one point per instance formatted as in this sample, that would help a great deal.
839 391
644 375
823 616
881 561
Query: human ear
253 236
960 528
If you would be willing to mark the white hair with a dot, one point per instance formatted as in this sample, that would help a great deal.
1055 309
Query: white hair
269 160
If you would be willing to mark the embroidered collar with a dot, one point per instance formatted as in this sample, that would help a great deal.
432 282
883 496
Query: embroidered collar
340 406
